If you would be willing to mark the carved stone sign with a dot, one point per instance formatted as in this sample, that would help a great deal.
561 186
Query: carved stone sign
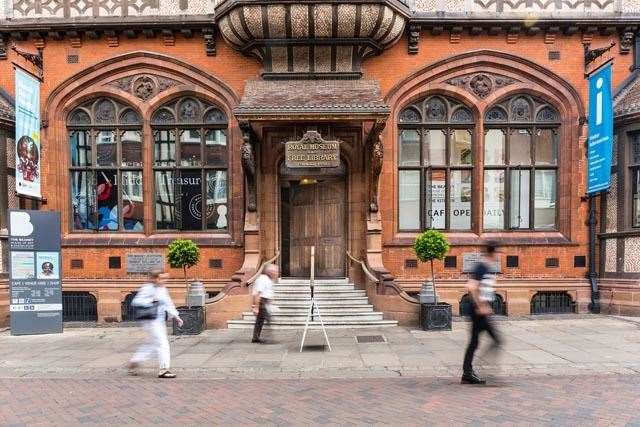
470 259
312 152
144 263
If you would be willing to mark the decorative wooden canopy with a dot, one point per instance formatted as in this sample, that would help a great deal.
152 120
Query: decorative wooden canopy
314 38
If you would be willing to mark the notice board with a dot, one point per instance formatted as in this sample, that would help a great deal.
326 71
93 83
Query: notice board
35 272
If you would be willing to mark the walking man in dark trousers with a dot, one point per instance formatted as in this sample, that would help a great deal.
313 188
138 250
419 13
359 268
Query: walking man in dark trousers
482 291
262 296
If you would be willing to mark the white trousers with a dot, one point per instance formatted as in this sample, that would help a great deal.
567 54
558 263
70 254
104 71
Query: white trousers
156 342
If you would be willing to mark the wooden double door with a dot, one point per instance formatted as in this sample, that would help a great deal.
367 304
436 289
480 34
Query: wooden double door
314 215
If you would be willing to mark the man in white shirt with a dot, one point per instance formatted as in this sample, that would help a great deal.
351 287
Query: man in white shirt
262 295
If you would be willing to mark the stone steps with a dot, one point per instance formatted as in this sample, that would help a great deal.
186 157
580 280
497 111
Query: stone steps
326 316
344 308
320 300
341 306
300 288
337 324
319 294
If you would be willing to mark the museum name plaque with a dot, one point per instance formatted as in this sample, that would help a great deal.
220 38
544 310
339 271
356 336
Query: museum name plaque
144 263
469 260
312 152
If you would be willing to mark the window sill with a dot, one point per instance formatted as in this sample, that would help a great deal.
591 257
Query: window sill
515 238
137 240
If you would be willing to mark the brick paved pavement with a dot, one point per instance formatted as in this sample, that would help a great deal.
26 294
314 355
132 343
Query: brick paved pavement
569 346
558 401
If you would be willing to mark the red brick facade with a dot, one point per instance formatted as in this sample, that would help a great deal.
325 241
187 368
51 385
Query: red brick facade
252 237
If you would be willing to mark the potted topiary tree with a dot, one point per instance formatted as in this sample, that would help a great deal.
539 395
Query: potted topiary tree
434 315
185 254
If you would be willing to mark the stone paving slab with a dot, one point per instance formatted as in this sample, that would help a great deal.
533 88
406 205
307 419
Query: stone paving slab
568 345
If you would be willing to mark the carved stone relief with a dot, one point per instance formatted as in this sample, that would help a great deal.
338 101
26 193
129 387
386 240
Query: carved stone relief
376 156
522 108
188 110
105 112
481 84
144 86
626 42
436 109
249 165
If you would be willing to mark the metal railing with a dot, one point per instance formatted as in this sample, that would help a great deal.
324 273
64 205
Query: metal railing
79 307
498 305
552 303
126 309
262 266
368 273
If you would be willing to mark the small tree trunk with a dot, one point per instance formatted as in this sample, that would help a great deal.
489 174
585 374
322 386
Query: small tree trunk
186 285
433 280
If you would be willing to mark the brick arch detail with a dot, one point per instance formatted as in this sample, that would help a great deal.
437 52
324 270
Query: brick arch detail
528 78
485 61
62 98
92 82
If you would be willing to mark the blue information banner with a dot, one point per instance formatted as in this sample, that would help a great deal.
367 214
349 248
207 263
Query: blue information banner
27 134
600 142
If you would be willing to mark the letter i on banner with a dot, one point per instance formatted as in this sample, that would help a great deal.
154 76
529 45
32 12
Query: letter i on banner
27 134
600 142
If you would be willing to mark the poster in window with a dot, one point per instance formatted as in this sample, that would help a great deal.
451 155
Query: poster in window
27 134
436 210
190 185
494 199
107 195
460 199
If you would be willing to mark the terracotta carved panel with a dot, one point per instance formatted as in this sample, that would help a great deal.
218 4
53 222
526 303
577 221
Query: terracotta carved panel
144 86
481 84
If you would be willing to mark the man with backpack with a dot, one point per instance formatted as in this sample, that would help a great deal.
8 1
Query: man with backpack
481 288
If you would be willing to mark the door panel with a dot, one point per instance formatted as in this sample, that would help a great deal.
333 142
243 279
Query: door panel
302 228
331 221
317 218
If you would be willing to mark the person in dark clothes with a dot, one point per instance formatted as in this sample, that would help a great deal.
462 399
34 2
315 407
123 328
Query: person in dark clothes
481 288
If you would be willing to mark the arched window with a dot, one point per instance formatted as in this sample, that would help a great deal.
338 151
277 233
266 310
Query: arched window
521 165
436 165
105 143
190 166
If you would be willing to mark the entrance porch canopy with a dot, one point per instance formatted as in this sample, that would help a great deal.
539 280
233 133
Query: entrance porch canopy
303 100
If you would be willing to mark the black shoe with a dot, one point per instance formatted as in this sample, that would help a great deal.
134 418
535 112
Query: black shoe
257 340
166 374
472 378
